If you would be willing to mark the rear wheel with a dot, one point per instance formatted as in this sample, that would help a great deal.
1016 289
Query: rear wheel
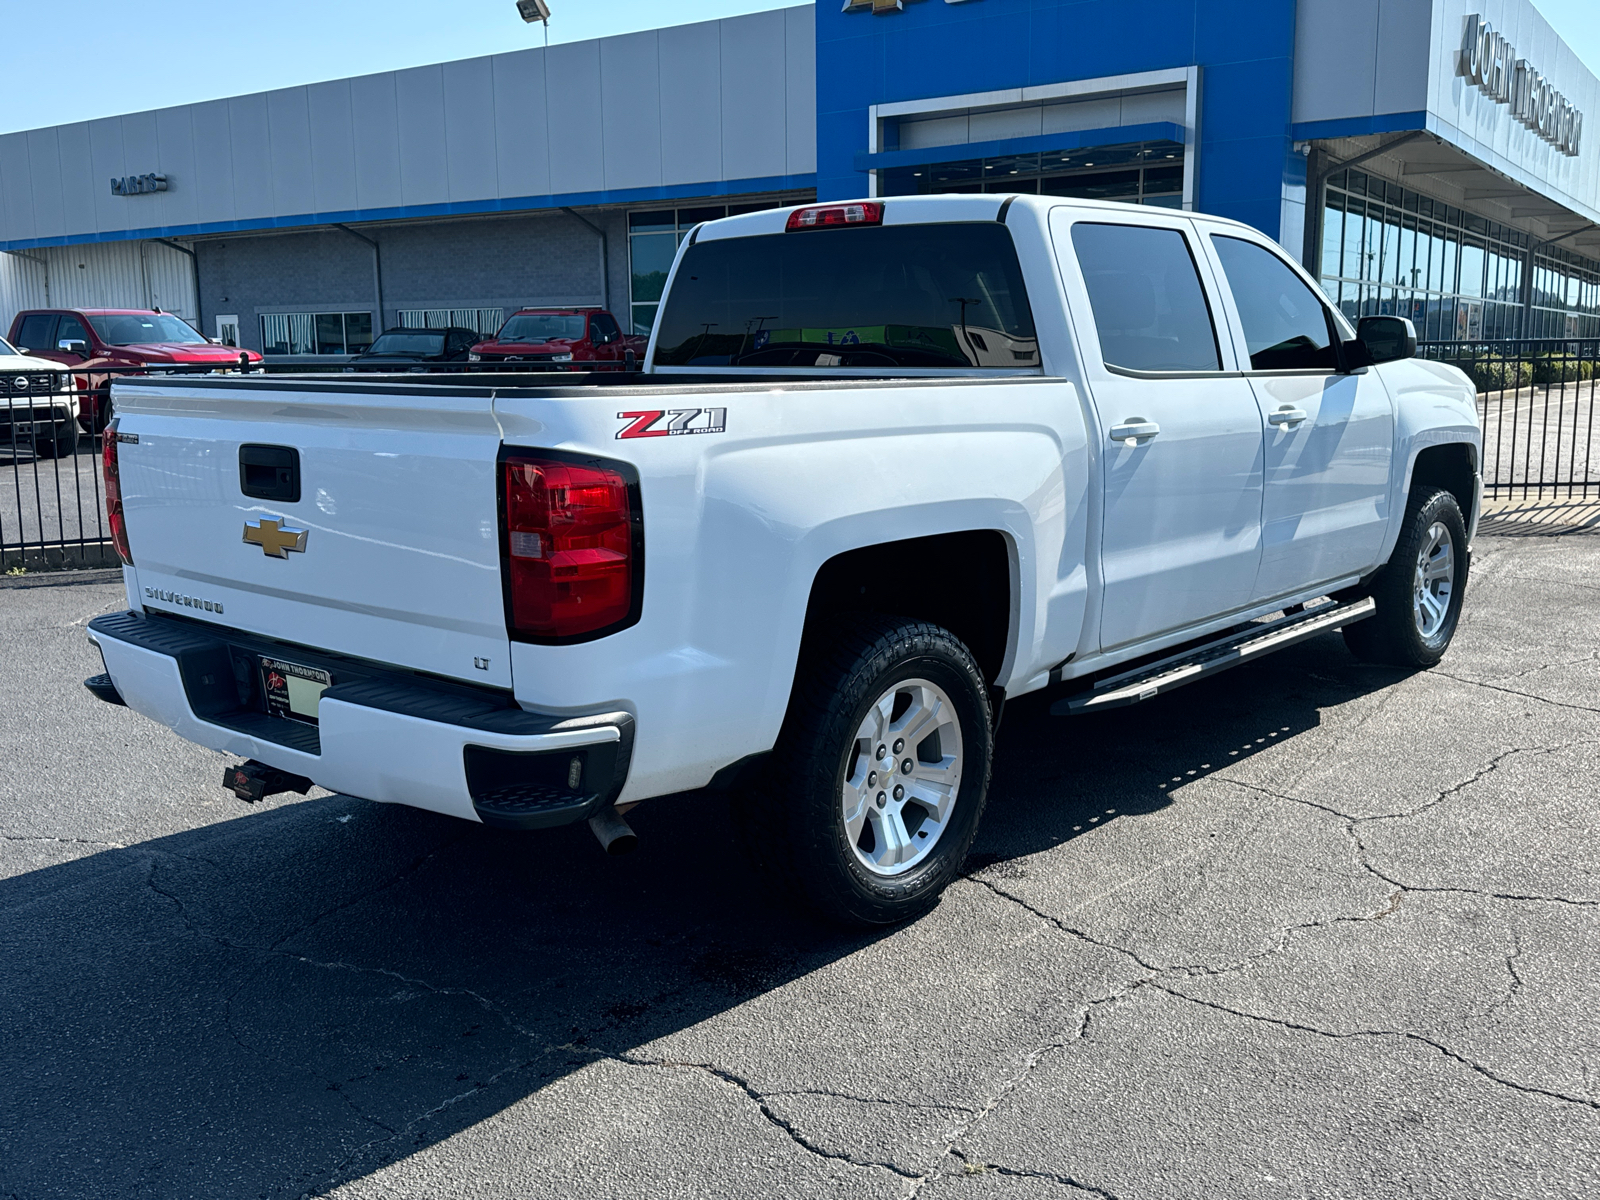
880 774
1419 591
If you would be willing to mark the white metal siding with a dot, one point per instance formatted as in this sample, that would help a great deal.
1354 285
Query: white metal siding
22 285
97 275
718 100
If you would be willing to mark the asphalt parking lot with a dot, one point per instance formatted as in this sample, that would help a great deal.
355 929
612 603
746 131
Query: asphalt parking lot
1311 929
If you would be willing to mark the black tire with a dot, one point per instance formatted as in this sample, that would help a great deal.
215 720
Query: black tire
1392 636
796 824
62 444
102 411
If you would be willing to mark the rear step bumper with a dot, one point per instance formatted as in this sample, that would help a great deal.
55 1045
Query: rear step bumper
1157 678
381 735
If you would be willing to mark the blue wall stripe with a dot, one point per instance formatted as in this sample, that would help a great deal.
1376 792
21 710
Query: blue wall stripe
517 204
1119 135
1360 126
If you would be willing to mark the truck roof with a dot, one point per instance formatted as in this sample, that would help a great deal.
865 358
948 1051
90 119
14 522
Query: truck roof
915 210
96 312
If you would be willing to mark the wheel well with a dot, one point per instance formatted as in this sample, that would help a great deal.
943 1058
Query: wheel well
960 581
1449 467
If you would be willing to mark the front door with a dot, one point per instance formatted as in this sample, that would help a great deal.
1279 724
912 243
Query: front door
1180 431
1329 434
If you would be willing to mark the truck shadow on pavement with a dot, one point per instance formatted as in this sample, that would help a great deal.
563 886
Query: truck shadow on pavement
299 996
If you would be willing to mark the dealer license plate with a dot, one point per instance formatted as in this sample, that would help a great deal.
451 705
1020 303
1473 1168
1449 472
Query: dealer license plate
292 690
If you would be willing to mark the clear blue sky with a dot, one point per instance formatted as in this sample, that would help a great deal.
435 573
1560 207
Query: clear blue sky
71 62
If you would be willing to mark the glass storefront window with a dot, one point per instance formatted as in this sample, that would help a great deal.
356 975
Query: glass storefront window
1456 274
1138 173
316 333
653 239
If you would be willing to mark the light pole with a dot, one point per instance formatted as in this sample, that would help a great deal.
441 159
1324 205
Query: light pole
536 10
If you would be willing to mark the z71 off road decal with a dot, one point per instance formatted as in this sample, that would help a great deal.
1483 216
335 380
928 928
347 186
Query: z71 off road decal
661 422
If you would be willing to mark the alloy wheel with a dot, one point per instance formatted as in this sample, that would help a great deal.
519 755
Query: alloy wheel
902 775
1434 581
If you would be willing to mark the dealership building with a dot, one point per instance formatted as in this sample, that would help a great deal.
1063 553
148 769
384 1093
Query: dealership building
1422 157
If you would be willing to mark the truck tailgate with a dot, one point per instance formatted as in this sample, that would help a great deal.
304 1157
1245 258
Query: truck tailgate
400 562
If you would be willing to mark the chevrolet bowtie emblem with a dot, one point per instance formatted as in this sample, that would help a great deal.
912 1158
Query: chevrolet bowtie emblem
274 537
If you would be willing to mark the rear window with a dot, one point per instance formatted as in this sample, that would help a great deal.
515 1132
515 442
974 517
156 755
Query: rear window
941 296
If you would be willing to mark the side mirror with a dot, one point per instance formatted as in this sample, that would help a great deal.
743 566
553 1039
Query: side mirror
73 346
1381 340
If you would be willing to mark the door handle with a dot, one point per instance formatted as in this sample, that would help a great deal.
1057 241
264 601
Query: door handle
1288 414
1134 430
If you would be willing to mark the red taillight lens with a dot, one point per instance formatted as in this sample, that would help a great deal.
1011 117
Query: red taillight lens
822 216
114 516
572 547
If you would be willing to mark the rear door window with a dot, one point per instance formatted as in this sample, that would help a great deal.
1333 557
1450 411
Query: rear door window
1149 307
943 296
1286 327
37 331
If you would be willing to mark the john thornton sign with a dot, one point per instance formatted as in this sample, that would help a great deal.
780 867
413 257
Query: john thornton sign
1491 62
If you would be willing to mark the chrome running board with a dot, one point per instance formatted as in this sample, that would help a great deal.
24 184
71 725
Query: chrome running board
1157 678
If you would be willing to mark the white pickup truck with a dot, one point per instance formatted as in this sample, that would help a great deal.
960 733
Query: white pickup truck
889 463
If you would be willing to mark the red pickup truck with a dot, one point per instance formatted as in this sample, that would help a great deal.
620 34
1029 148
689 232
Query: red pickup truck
102 342
561 335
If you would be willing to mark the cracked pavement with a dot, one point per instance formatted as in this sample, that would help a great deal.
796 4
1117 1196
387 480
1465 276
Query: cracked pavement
1310 929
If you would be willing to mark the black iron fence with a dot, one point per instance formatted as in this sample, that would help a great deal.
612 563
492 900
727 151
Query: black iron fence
52 502
52 492
1536 398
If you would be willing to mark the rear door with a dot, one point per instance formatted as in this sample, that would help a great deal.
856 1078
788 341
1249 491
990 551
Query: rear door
394 490
1180 431
36 335
1329 434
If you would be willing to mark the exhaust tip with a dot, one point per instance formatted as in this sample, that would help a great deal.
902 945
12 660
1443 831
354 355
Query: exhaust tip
616 836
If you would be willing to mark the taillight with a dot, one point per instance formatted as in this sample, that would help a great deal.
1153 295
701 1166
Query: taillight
114 515
821 216
573 546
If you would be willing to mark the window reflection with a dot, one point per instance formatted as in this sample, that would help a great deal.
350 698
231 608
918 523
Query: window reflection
1139 173
1388 250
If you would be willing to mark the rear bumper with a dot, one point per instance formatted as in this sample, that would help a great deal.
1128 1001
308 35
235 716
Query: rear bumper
383 734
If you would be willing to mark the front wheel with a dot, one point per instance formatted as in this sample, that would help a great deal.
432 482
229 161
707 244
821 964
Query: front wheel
102 411
63 442
1419 591
880 773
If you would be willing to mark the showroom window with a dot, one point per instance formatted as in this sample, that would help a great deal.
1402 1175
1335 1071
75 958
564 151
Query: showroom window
1392 251
316 333
653 239
1140 173
486 321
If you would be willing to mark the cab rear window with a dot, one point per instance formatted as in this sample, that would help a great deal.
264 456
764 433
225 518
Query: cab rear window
935 296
